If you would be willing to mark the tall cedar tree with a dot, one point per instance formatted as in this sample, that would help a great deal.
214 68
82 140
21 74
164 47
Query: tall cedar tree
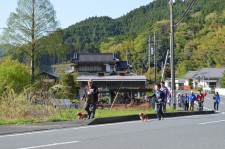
26 27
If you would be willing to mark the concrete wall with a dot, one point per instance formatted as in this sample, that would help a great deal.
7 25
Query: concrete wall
221 91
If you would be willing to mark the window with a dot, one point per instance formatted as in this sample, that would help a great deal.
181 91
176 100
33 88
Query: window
90 68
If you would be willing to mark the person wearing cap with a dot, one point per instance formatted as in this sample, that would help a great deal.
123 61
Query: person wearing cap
91 95
191 99
165 90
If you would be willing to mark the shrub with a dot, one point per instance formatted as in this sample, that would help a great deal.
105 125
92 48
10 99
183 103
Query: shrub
68 81
60 92
190 83
199 89
14 75
222 81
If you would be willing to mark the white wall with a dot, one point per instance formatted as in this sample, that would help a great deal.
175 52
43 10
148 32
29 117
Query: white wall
107 67
221 91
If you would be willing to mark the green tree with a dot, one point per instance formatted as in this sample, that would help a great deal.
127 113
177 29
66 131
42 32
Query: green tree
222 81
190 81
32 20
68 81
14 75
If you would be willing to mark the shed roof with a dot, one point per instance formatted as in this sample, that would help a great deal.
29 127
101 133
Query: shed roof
49 74
111 78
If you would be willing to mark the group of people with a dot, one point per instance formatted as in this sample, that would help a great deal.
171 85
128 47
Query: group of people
161 95
186 101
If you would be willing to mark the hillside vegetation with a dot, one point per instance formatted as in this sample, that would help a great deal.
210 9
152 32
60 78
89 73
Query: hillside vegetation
199 39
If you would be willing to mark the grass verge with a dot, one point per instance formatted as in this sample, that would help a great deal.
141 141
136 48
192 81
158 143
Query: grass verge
70 114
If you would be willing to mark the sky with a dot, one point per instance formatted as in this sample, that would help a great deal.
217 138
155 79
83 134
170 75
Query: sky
69 12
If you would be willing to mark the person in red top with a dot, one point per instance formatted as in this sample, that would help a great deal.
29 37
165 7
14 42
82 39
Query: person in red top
200 99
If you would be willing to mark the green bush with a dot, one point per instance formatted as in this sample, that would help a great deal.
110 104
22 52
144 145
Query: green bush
105 98
14 75
199 89
60 92
222 81
68 81
190 83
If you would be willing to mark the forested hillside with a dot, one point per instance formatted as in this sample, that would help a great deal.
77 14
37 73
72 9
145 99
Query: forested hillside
199 39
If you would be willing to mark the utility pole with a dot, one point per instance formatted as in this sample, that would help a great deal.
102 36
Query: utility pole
149 52
208 73
164 67
155 56
126 57
172 54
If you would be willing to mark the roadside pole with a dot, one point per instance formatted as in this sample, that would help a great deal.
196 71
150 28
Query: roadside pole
172 55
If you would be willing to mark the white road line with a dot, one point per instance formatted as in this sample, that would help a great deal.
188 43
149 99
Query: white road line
196 105
207 108
64 129
211 122
85 127
208 98
48 145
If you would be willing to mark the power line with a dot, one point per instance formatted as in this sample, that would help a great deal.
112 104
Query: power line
192 53
186 12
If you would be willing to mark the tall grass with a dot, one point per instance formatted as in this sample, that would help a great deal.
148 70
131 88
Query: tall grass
19 109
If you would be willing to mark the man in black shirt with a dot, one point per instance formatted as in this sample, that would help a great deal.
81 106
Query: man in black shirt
159 96
91 96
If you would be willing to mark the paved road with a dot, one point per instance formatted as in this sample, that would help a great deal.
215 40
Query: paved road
209 103
192 132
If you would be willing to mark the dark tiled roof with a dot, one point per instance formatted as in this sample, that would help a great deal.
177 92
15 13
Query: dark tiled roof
49 74
210 72
190 74
95 58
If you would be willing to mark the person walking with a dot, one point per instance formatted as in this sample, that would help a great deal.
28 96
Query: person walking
159 97
191 99
186 104
91 95
181 101
165 90
216 99
178 100
200 98
169 98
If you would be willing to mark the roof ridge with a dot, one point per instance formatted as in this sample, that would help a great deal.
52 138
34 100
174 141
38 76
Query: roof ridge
95 53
